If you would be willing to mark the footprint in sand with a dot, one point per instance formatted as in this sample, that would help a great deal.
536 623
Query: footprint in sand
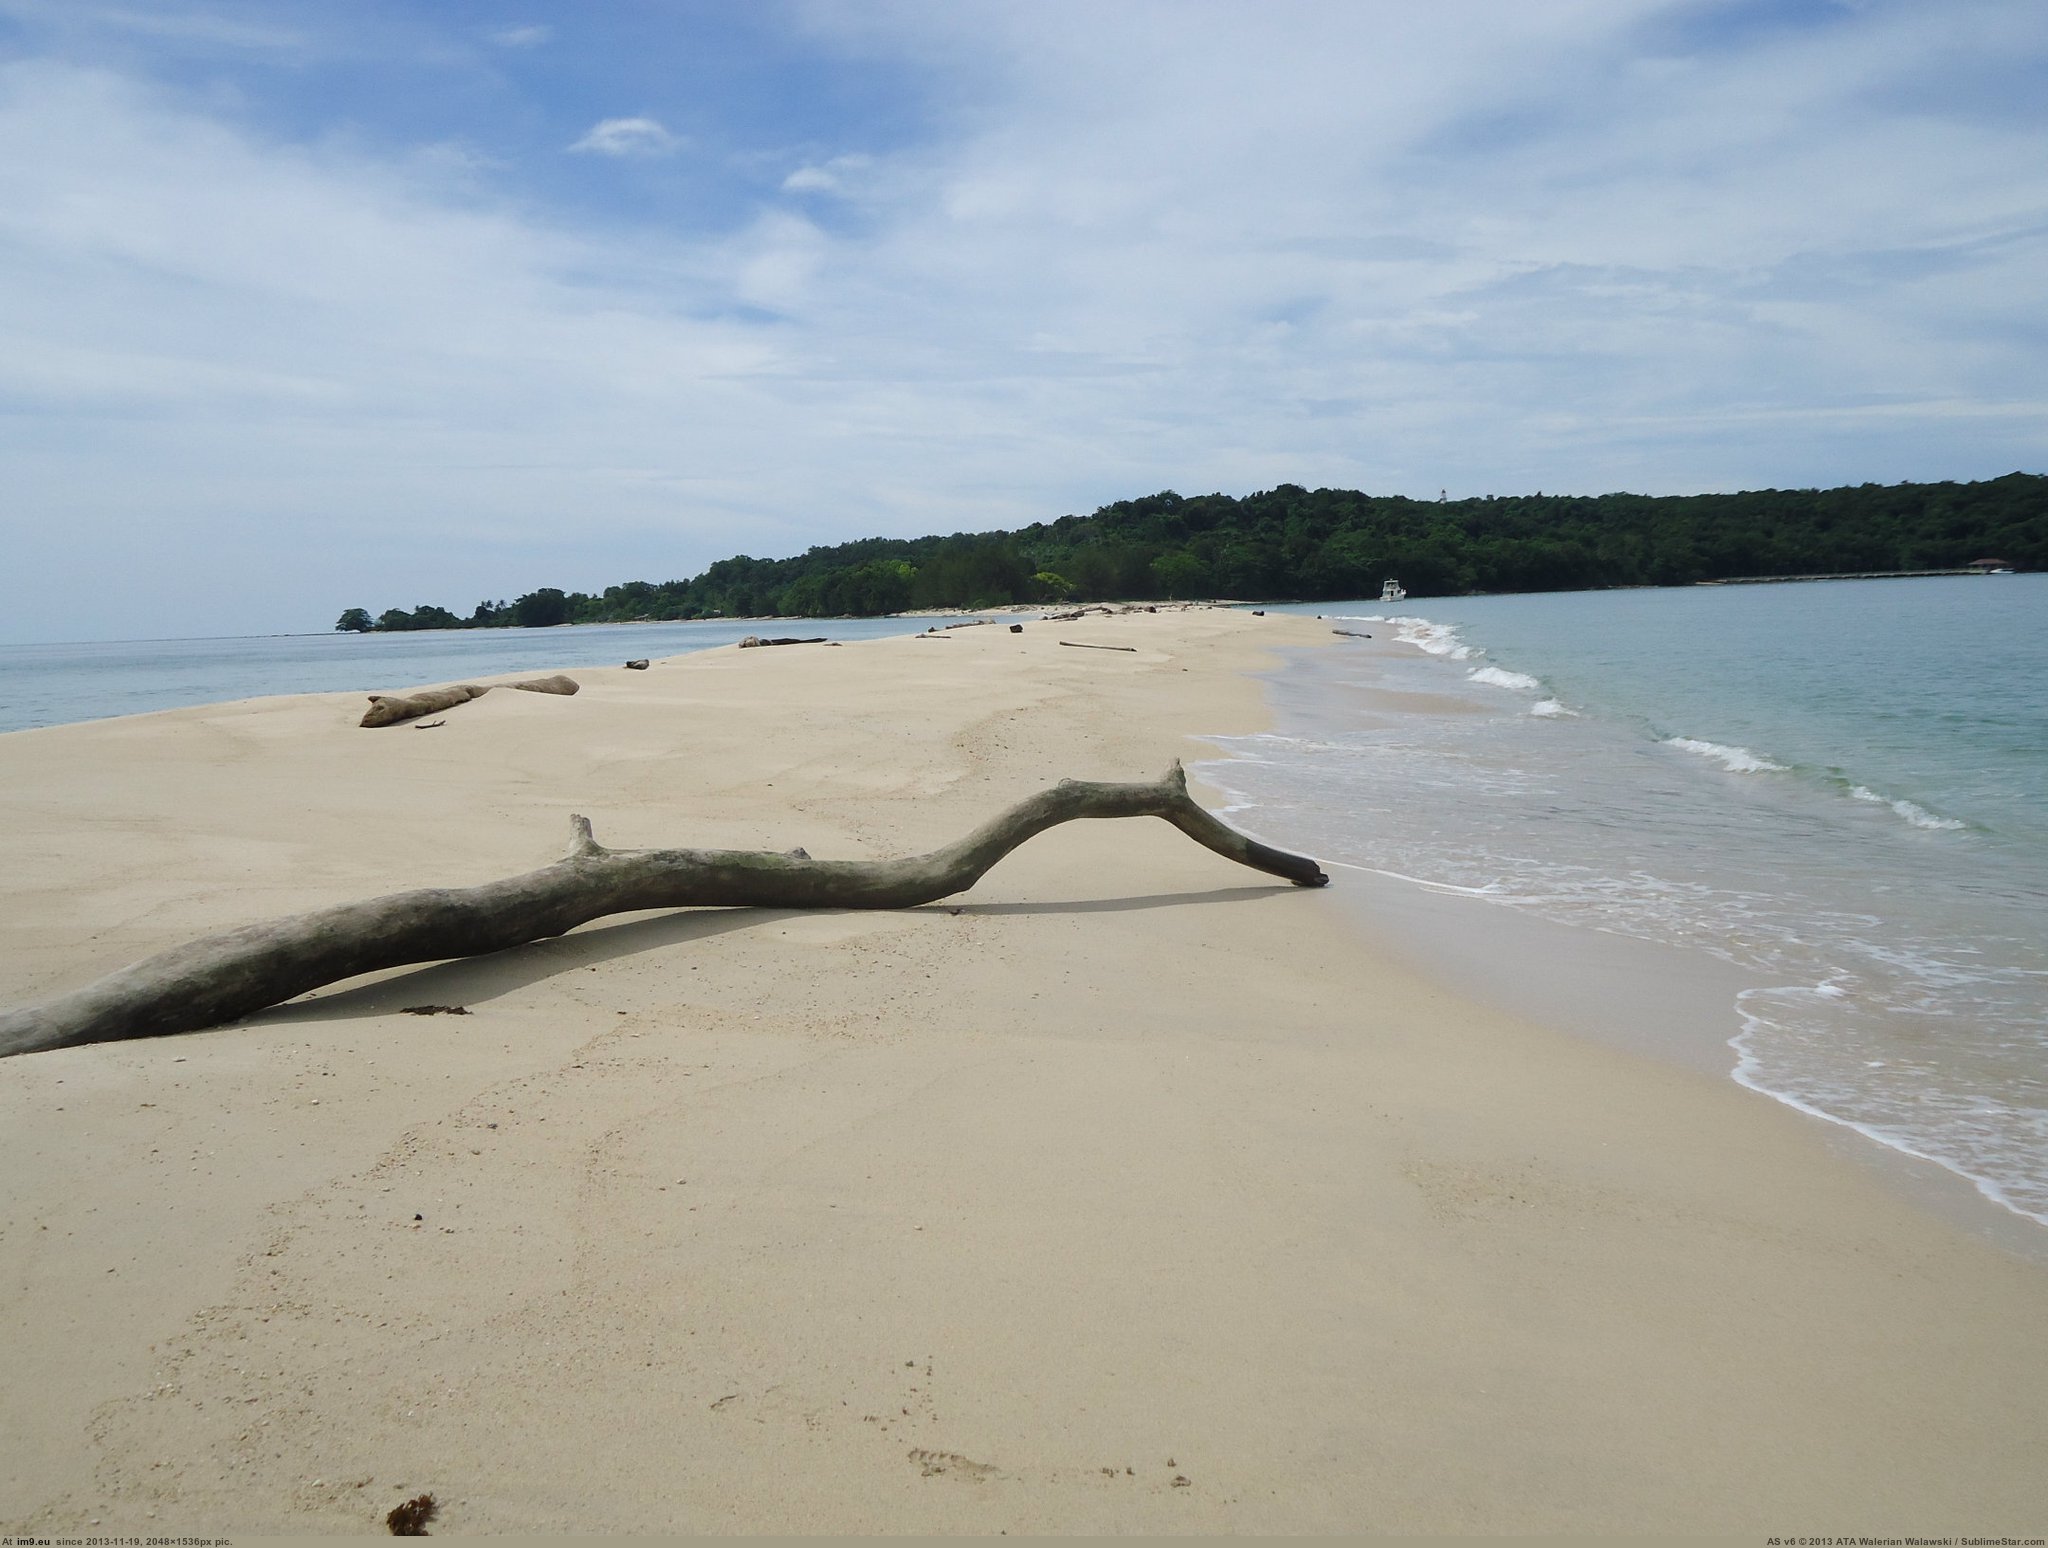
933 1463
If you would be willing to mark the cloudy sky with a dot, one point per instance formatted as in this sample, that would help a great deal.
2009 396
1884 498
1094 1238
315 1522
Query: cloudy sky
306 306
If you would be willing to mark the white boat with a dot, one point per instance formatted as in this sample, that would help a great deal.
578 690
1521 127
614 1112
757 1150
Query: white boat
1391 591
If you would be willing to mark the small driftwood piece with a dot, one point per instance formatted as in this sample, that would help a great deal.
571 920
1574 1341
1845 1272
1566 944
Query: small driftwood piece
1351 634
1083 645
753 640
389 709
220 977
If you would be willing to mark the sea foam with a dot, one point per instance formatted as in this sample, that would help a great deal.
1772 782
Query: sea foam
1501 677
1919 816
1435 638
1736 760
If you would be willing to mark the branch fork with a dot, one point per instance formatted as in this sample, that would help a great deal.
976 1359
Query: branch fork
218 978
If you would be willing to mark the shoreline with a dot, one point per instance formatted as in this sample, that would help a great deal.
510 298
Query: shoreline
1002 609
930 1221
1670 1004
1606 976
1676 1004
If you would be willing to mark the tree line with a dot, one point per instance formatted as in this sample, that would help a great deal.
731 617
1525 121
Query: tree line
1328 545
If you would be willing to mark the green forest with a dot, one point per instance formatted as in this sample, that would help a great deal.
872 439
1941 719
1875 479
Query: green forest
1297 544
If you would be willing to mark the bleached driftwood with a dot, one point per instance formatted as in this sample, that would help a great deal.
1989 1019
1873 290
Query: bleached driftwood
388 709
220 977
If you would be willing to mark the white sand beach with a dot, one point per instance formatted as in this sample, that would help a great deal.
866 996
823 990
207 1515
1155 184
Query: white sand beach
1131 1191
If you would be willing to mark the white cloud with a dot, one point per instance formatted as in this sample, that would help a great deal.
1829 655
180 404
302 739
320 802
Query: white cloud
776 262
263 376
627 137
522 37
169 23
1388 246
1201 246
832 177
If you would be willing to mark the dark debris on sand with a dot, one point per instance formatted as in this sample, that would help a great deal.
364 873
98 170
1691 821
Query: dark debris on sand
411 1518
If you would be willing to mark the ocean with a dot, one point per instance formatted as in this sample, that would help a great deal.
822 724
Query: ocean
1839 789
53 685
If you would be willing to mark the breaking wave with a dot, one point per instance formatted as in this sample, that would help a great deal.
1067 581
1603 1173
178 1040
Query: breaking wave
1918 815
1435 638
1736 760
1501 677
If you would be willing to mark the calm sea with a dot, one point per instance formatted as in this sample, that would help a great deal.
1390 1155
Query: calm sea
1839 787
51 685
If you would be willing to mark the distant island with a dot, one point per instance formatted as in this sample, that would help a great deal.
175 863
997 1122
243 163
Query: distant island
1331 544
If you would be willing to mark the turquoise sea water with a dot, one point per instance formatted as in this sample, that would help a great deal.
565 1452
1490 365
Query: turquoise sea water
1840 787
51 685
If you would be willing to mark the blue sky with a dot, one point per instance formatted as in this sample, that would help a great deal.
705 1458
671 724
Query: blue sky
307 306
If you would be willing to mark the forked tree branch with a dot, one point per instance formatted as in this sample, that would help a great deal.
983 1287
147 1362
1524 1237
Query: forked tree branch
220 977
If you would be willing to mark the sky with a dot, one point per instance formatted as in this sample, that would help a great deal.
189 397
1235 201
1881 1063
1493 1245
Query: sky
308 306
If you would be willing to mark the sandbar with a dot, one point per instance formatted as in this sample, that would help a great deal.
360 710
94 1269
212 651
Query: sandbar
1129 1192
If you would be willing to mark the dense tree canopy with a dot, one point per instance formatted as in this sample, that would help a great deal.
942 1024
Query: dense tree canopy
1331 544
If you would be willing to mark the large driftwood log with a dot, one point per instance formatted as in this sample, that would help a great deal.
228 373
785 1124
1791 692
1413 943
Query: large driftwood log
220 977
388 709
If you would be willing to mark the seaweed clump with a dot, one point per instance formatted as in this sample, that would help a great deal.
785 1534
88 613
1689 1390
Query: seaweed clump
411 1518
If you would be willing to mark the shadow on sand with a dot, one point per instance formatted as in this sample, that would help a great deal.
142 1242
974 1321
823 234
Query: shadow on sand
478 980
